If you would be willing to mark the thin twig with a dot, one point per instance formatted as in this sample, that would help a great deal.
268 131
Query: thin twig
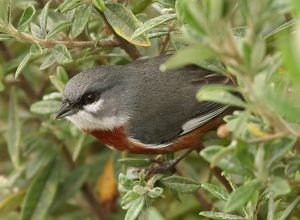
218 174
49 43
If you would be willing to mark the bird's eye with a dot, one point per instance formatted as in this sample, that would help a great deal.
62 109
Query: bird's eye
89 98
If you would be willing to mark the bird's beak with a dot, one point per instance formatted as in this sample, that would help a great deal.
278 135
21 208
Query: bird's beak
65 110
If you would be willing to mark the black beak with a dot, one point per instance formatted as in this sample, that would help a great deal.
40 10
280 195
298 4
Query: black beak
65 110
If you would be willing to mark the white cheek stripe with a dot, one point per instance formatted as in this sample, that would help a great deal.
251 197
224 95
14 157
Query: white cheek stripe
86 121
94 107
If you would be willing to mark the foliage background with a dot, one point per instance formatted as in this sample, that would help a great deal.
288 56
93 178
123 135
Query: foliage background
51 170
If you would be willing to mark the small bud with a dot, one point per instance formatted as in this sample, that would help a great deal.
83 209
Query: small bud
223 131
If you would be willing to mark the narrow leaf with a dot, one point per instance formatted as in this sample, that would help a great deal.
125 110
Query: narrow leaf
59 28
279 186
241 195
216 190
189 55
41 193
48 61
58 84
135 162
44 17
70 186
11 202
78 147
221 216
180 184
5 10
289 209
4 37
68 5
23 64
13 130
135 209
216 94
62 54
82 17
99 4
62 74
26 17
45 107
152 23
124 24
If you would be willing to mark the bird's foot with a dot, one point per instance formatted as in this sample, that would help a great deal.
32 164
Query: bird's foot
161 167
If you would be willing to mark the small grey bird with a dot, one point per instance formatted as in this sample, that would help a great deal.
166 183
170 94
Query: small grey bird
139 109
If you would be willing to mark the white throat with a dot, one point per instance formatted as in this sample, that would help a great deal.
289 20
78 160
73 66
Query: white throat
88 119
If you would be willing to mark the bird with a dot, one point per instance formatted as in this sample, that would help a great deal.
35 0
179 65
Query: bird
138 109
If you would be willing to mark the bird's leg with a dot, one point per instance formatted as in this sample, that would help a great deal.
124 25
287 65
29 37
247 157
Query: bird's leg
165 166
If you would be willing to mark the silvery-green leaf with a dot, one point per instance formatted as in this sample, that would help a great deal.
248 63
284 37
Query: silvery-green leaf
81 19
22 64
26 17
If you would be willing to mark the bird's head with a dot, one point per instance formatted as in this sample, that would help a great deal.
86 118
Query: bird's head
94 100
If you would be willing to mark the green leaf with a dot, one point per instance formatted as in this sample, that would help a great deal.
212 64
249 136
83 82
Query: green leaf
281 30
45 107
124 24
79 146
36 49
128 199
99 4
70 186
53 95
241 195
152 23
82 17
180 184
62 74
13 130
5 11
22 64
11 202
218 94
228 162
277 149
58 84
289 209
4 37
155 192
135 162
135 208
59 28
69 5
153 214
189 55
216 190
221 216
140 6
41 193
279 186
36 31
48 61
125 183
26 17
62 54
44 17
